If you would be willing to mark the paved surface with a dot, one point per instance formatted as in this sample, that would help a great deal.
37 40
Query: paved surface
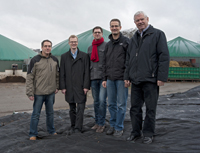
13 98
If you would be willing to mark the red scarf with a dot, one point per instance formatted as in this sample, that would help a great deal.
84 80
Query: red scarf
94 56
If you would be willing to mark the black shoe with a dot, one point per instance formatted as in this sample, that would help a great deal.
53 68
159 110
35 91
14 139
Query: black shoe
72 130
77 131
147 140
110 131
133 138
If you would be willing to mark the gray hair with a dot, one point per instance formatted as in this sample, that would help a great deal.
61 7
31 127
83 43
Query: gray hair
139 12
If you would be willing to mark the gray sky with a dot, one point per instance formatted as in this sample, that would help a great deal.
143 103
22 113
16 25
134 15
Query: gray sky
29 22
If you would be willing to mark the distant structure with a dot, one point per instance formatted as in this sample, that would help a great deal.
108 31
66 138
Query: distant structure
129 32
36 50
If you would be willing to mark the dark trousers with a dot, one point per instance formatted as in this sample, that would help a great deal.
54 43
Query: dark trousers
143 93
76 115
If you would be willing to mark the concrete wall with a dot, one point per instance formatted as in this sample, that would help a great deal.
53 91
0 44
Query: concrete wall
10 73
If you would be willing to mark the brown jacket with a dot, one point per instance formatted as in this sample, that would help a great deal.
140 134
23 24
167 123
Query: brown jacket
42 76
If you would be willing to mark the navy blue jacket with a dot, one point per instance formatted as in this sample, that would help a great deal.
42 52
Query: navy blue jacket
147 57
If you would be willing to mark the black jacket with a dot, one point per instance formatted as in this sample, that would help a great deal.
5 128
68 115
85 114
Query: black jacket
114 58
74 76
147 57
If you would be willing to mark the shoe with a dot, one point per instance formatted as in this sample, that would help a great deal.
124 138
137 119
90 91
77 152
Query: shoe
110 131
77 131
95 127
55 133
118 133
100 129
32 138
133 138
147 140
72 130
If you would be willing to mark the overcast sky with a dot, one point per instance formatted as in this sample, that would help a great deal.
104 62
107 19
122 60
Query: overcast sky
31 21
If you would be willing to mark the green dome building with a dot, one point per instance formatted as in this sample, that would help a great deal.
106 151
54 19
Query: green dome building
12 52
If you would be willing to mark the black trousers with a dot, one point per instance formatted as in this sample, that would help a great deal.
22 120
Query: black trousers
76 115
144 93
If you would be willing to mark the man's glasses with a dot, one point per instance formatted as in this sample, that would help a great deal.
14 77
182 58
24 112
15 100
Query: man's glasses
73 42
97 32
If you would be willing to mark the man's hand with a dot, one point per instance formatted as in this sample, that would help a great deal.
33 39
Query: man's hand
56 91
85 91
63 91
31 98
160 83
127 83
104 84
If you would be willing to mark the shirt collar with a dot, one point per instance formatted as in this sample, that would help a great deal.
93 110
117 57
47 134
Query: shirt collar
141 33
75 54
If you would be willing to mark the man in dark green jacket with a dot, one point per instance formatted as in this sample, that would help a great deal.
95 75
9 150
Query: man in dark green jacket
42 83
147 64
75 82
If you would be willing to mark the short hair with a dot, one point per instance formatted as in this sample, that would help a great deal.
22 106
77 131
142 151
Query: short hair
116 20
139 12
72 36
42 43
97 27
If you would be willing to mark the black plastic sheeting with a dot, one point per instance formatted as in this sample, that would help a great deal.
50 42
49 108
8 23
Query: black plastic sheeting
177 130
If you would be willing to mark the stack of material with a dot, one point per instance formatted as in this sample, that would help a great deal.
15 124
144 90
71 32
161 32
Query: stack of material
174 64
185 64
180 64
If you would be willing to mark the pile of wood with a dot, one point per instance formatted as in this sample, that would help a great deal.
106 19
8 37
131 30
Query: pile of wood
180 64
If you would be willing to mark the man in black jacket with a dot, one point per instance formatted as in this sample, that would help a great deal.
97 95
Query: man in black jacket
147 64
113 72
75 82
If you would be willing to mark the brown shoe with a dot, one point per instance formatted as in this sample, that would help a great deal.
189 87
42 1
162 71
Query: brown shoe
32 138
100 129
95 127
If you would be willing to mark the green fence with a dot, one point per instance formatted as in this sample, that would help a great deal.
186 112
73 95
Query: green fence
190 73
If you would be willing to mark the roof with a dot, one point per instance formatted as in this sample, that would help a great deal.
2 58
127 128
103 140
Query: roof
84 41
11 50
180 47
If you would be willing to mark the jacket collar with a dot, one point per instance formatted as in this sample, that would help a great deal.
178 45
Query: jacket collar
78 53
43 55
147 32
113 40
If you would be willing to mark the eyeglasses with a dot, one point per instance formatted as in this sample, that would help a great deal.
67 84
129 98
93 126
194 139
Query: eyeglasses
116 26
97 32
73 42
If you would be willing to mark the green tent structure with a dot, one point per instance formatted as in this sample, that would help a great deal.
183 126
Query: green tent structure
12 52
84 41
183 48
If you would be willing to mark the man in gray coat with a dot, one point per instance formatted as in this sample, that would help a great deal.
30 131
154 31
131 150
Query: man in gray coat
75 82
99 93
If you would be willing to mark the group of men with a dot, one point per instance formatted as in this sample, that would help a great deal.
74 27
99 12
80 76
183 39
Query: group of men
109 69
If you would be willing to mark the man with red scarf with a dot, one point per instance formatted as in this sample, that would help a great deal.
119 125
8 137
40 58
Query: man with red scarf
96 53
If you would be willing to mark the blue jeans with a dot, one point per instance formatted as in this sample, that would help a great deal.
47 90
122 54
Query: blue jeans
99 95
117 101
37 106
